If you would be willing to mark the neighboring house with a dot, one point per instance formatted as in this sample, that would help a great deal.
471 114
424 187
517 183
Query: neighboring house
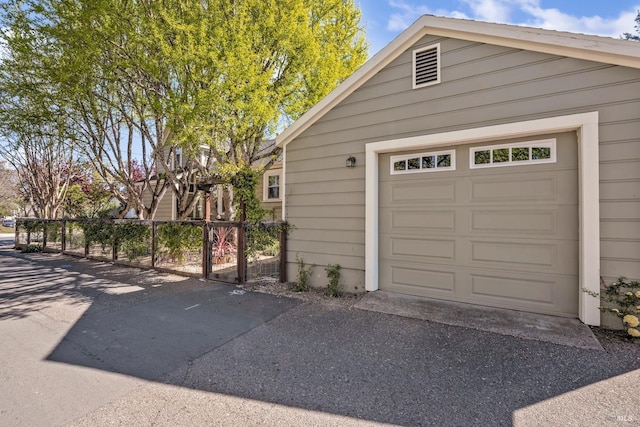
268 191
495 165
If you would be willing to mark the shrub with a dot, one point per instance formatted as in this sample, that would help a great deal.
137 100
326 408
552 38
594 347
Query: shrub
224 248
304 273
178 239
133 239
54 231
262 239
333 273
98 231
623 298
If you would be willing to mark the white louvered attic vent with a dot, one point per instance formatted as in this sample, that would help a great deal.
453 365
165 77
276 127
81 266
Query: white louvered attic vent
426 66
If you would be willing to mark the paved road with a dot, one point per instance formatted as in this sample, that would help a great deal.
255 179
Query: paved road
88 344
7 239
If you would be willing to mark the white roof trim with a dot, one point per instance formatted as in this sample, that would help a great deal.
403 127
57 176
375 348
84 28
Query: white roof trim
581 46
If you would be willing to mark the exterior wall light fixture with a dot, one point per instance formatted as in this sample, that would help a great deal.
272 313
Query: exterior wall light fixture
351 162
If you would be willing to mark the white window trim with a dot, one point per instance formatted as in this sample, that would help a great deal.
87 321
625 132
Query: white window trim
413 70
394 159
541 143
265 185
586 125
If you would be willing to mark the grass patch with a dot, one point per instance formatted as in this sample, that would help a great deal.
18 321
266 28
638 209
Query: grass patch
7 229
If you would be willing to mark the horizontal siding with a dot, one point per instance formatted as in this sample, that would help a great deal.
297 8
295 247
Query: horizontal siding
165 208
323 259
339 248
482 85
337 213
620 210
620 230
328 224
328 236
328 176
332 199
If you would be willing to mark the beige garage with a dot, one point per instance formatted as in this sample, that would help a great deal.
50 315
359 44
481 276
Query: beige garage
492 223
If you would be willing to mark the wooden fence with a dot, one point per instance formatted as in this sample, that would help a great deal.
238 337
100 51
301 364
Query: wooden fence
228 251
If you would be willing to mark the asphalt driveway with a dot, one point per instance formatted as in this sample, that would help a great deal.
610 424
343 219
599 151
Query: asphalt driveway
85 343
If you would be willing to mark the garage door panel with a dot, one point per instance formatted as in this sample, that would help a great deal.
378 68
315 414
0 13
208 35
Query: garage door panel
549 294
535 256
545 294
515 254
530 223
522 188
522 221
400 220
416 192
512 288
436 281
521 256
503 236
419 250
552 187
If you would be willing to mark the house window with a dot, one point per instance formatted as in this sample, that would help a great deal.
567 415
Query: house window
521 153
423 162
272 181
426 66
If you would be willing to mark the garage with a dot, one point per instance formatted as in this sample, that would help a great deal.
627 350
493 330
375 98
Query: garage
492 223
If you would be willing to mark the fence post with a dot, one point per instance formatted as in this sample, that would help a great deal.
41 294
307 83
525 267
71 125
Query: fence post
86 244
114 246
63 238
240 253
206 251
153 243
283 253
44 235
241 245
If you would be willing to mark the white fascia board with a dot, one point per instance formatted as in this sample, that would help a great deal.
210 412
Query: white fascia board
586 125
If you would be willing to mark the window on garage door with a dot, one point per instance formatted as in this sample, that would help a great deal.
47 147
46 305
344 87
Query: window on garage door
522 153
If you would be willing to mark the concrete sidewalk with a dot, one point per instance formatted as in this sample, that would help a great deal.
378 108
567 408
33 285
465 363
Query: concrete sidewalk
553 329
86 343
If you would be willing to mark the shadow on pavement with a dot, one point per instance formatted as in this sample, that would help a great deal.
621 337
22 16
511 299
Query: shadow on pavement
366 365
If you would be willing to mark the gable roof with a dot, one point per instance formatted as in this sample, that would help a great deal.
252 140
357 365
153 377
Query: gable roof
581 46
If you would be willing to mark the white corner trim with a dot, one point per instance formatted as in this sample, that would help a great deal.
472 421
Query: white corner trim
284 175
586 125
371 220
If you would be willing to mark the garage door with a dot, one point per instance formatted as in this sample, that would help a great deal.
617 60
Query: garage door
494 224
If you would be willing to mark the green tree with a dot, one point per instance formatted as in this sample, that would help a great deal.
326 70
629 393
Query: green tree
224 75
